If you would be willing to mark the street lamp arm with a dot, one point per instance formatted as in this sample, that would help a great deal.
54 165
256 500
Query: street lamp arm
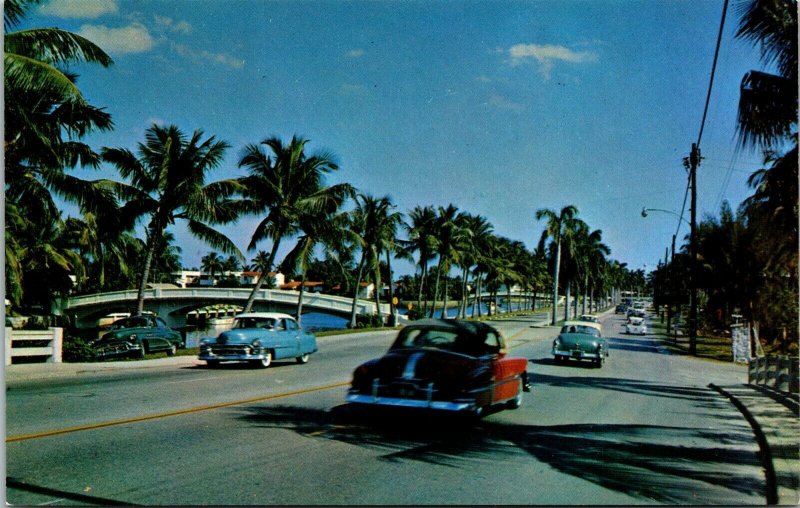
645 210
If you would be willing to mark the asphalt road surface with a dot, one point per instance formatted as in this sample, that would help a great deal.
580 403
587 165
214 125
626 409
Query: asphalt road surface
644 429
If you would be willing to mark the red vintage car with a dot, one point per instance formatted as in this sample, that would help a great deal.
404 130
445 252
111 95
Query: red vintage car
447 365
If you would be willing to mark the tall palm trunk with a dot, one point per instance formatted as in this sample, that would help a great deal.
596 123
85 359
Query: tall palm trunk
377 287
422 280
585 293
391 289
476 302
508 291
555 277
300 297
153 237
566 300
444 299
358 287
462 310
436 289
264 274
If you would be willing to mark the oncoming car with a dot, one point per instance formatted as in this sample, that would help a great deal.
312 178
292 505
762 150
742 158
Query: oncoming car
448 365
636 326
591 318
580 340
258 338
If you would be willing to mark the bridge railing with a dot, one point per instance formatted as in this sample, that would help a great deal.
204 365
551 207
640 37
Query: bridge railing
341 304
27 343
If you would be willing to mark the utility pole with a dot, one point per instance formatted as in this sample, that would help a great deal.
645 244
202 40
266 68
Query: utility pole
690 163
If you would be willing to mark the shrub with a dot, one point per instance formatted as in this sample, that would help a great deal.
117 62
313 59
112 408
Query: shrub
76 349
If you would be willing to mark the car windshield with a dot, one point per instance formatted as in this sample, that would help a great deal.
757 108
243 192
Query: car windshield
586 330
255 322
129 323
449 340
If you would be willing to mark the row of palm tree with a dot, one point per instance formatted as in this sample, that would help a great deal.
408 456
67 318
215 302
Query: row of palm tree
165 180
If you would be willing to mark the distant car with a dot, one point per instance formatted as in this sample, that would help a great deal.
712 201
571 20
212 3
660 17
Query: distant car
448 365
621 309
137 336
590 318
580 340
636 326
259 338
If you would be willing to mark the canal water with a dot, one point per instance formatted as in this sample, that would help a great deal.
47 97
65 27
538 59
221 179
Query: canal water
313 322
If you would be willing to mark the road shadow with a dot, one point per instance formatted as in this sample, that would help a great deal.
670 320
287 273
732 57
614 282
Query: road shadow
698 395
276 364
578 364
635 345
649 462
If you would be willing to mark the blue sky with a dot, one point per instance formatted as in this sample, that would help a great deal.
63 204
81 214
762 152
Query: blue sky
500 108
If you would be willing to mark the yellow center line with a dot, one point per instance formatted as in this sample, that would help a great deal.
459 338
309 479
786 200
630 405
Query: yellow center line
196 409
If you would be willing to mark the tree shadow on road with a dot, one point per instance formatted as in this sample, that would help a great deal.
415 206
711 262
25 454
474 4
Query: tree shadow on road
649 462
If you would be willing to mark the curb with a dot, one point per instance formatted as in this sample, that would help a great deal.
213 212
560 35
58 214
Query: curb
765 453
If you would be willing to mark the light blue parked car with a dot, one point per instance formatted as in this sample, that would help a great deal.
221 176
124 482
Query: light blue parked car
259 338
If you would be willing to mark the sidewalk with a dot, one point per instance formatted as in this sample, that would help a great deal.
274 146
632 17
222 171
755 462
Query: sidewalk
774 419
36 371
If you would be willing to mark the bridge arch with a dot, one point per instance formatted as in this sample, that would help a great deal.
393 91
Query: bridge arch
172 303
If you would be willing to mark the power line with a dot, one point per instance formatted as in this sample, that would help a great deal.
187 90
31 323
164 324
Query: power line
713 71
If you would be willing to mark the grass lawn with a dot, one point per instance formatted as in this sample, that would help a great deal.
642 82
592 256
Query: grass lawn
708 347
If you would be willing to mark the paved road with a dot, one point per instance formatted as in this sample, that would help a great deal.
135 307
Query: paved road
644 429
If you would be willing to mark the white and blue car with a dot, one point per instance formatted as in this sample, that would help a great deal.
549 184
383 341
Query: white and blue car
259 338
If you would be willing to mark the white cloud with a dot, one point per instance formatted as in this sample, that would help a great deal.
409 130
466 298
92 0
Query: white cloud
88 9
129 39
167 23
219 58
355 53
546 55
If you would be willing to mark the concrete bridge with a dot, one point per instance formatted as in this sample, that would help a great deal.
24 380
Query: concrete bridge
172 304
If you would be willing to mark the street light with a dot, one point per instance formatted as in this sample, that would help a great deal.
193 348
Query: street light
645 210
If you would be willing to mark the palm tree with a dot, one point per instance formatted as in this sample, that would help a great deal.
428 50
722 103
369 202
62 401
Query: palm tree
768 102
449 232
317 227
554 230
46 115
471 247
261 263
283 183
212 264
372 223
168 183
422 239
590 249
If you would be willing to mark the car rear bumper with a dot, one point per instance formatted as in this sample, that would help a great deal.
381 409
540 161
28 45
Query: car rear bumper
457 405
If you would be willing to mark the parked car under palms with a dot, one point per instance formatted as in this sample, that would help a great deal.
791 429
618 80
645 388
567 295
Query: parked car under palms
259 338
137 336
580 340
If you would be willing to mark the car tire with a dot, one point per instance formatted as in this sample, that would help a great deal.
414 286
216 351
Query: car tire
173 349
264 362
212 364
516 402
142 352
303 358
